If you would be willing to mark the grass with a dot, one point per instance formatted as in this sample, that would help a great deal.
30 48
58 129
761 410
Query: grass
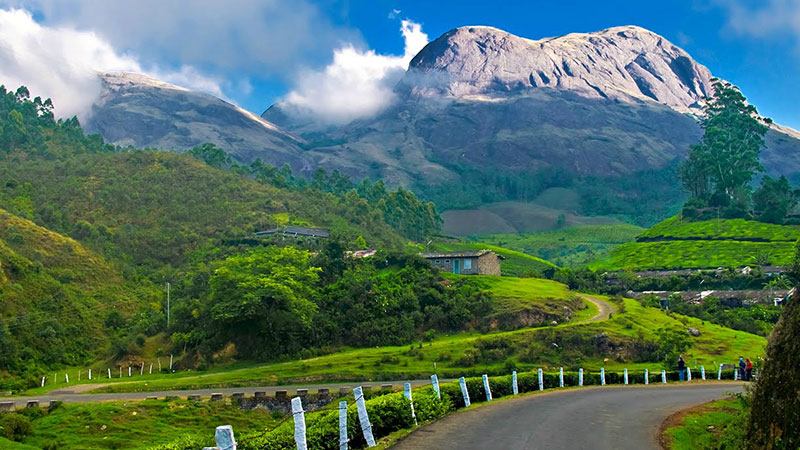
715 345
139 425
693 255
515 264
573 246
694 430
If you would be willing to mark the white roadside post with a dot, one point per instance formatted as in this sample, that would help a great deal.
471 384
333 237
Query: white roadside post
366 427
343 426
90 374
170 363
541 380
688 374
703 373
719 373
602 376
109 373
735 374
560 377
43 378
407 394
66 376
129 371
435 383
141 369
664 376
580 377
646 377
625 376
464 392
159 365
151 368
224 438
514 386
299 423
487 388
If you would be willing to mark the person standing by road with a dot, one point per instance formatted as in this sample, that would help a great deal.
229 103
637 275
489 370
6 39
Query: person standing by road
748 370
742 366
681 368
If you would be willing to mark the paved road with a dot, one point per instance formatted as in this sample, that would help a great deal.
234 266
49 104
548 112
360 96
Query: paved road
74 397
599 418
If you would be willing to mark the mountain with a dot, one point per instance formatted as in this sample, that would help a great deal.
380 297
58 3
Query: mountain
141 111
483 119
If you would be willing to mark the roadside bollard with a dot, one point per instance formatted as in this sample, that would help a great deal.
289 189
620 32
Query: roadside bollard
719 373
664 376
646 377
435 383
464 392
343 425
561 377
541 380
580 377
407 394
602 376
703 373
299 423
366 427
486 388
625 376
688 374
224 438
514 387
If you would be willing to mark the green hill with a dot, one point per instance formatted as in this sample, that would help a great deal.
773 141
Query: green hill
680 244
55 295
568 247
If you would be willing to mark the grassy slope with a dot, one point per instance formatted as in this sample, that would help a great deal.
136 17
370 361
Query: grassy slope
693 432
715 345
674 244
573 246
51 283
515 264
134 425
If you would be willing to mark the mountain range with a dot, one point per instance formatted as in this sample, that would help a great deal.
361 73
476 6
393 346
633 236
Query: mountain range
506 133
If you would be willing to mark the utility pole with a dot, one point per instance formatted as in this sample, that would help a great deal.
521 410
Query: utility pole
167 304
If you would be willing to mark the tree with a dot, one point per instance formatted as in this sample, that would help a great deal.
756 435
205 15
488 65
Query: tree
772 200
671 343
727 156
263 300
211 155
774 421
794 268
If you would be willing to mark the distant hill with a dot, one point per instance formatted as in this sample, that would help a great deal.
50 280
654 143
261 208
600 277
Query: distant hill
677 244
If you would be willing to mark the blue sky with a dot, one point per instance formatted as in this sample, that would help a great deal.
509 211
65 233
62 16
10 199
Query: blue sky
256 52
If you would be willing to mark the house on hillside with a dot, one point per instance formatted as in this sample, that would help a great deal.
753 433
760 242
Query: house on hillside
482 262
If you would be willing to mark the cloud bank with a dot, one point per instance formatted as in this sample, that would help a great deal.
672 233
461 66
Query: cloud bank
357 83
769 18
62 63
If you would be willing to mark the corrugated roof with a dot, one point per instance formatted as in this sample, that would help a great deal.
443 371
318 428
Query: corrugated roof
458 254
299 231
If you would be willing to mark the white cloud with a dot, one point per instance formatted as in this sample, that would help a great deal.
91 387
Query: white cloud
769 18
357 83
62 63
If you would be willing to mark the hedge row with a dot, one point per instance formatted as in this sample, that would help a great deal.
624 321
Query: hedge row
392 412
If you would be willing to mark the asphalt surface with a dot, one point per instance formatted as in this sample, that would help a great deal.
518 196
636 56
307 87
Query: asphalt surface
67 396
599 418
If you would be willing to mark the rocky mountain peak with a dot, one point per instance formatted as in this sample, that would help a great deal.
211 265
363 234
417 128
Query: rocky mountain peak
627 63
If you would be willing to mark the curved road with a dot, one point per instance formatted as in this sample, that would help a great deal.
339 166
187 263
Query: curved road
604 309
597 418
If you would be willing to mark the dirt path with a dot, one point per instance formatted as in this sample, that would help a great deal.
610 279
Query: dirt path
604 308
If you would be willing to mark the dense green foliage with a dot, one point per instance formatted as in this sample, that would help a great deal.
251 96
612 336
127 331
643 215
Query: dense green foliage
569 247
721 229
774 421
721 166
278 301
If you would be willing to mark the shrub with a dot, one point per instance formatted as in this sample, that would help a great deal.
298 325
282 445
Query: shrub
15 426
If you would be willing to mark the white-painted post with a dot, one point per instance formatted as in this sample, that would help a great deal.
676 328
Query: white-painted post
560 377
343 425
514 387
90 374
141 369
66 376
407 394
435 383
541 380
625 376
703 372
602 376
366 427
151 368
719 373
159 365
43 378
464 392
735 374
120 371
170 363
109 373
688 374
299 423
580 377
224 438
129 371
664 376
487 388
646 377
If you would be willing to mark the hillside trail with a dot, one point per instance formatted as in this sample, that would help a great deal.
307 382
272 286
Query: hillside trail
604 309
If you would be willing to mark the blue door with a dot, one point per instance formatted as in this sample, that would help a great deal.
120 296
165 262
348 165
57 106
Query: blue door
456 266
